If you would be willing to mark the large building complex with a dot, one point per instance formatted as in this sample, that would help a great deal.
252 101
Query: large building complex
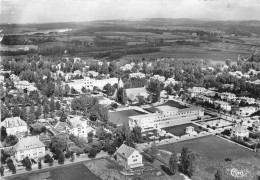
165 116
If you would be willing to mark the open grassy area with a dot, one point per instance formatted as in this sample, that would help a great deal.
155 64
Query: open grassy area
120 117
211 153
180 130
191 52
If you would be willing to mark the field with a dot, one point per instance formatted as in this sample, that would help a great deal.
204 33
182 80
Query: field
121 117
180 130
191 52
75 171
211 153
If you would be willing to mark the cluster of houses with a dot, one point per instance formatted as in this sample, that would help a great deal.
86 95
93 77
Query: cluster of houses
225 100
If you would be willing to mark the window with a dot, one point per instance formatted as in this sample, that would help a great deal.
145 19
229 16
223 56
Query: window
134 160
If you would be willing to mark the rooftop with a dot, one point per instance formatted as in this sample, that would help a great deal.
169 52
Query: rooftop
13 122
125 150
166 108
29 142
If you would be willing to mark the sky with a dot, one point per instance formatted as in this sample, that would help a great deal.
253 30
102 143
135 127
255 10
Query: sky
42 11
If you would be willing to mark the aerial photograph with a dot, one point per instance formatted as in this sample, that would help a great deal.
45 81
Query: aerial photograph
130 89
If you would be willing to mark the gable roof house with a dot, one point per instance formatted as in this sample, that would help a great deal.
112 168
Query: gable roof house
14 125
29 146
128 157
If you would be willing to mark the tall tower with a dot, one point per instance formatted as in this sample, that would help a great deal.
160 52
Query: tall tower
120 83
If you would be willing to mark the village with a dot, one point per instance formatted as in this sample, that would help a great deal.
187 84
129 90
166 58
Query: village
88 112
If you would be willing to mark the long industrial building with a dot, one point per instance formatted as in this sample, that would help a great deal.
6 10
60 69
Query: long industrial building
166 116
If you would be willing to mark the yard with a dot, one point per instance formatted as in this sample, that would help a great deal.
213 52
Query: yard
211 153
180 129
120 117
169 103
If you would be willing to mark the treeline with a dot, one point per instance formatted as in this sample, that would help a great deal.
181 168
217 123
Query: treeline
56 48
111 55
24 40
17 53
101 41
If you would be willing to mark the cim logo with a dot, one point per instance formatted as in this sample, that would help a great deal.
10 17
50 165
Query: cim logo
238 173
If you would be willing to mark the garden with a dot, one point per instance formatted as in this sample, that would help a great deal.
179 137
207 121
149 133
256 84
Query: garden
180 129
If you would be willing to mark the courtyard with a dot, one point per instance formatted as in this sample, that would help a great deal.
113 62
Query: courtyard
180 129
121 117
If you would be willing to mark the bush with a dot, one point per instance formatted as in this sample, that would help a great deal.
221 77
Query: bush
93 152
39 164
61 158
79 151
87 149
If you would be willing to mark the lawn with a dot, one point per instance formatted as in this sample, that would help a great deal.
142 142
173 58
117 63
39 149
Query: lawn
180 129
120 117
211 153
212 148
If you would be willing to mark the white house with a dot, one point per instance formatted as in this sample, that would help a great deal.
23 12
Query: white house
93 73
136 75
158 77
196 90
170 81
14 125
223 105
78 126
13 77
29 146
227 96
246 99
128 157
239 131
256 127
246 111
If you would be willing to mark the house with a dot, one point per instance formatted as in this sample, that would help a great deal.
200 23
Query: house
133 93
78 126
158 77
246 100
239 132
246 111
256 126
77 72
227 96
2 78
14 125
137 75
202 98
196 90
29 146
170 81
128 157
223 105
93 73
14 78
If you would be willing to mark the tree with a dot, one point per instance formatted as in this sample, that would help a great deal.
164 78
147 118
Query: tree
11 166
137 134
27 163
63 116
58 106
73 91
83 89
46 110
66 90
219 175
61 158
58 144
187 162
3 133
10 140
16 111
153 152
2 170
121 96
52 105
228 62
173 163
39 164
93 152
38 112
23 114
